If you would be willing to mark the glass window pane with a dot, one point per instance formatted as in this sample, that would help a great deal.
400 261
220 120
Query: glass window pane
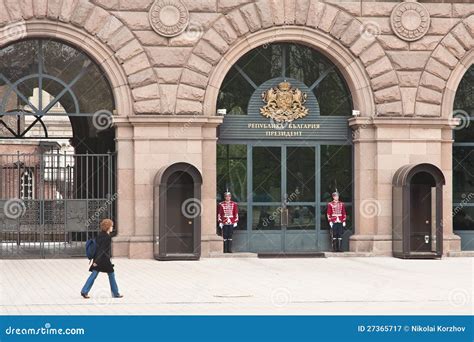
464 108
266 218
222 151
301 217
315 70
336 171
242 225
61 66
95 91
266 174
465 131
62 61
300 62
300 173
235 93
263 63
463 218
18 60
463 172
232 171
238 151
333 95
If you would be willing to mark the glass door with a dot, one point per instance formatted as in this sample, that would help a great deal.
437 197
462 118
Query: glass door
283 199
300 199
266 199
282 191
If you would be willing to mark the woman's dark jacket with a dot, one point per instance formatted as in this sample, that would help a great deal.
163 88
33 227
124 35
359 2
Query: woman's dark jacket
103 254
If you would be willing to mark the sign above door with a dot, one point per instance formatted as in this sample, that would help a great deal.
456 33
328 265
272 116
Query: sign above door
283 108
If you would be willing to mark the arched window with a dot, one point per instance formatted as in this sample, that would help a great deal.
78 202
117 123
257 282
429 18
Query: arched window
463 159
45 78
285 60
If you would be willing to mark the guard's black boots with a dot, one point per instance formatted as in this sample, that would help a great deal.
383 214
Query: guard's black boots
339 245
225 246
334 245
229 246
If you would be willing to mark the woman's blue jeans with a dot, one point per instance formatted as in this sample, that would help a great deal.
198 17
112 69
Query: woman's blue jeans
90 281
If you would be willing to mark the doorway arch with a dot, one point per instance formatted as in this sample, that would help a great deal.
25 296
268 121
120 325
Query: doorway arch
177 212
418 211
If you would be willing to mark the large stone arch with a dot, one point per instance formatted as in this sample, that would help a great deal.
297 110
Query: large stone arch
364 63
447 105
444 70
96 31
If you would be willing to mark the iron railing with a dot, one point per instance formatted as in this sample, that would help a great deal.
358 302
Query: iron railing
52 202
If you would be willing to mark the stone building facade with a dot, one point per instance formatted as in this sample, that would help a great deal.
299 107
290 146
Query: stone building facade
166 61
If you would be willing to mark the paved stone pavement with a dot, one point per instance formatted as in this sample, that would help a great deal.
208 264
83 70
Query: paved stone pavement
216 286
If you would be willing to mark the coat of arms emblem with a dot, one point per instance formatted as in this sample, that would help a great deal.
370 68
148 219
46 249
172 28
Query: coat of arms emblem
284 103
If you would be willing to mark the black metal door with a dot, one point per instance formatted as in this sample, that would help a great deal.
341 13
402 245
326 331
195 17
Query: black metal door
51 203
179 232
420 216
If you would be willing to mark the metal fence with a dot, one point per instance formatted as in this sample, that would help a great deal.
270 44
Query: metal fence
51 203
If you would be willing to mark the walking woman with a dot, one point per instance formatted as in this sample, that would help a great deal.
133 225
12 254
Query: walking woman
101 261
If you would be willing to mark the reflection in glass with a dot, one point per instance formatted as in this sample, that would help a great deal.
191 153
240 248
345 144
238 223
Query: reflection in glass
38 76
266 174
301 217
263 63
336 171
266 218
300 173
465 132
463 156
242 225
463 108
235 93
18 60
463 172
60 64
463 217
285 60
232 171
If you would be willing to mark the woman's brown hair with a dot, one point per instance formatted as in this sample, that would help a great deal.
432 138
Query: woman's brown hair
105 224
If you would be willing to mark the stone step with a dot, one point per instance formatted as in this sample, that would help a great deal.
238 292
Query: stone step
291 255
232 255
461 254
348 254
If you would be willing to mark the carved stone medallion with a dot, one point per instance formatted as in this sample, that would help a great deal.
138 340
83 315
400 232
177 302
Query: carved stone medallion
284 103
410 20
168 18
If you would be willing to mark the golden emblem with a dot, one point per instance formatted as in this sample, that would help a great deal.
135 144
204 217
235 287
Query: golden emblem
284 103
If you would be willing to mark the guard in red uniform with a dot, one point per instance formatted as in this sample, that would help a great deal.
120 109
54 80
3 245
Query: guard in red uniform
336 213
227 217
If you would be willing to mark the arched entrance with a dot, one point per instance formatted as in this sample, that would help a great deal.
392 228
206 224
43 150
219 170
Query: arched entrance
284 147
177 216
418 211
57 157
